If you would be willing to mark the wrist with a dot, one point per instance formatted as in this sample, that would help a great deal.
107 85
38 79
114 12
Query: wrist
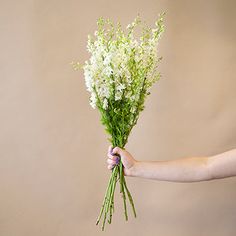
134 170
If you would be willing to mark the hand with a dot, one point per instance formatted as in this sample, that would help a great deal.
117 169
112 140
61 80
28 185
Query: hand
126 158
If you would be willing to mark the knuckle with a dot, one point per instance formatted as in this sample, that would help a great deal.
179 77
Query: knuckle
110 156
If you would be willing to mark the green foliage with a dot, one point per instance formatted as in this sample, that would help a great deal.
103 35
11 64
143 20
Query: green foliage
119 76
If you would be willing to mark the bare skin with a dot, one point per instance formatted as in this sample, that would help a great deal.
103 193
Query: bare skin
192 169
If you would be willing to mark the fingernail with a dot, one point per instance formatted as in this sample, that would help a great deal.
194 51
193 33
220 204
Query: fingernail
117 160
111 151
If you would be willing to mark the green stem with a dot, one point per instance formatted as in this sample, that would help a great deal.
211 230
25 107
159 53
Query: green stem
130 198
111 200
122 190
104 202
108 202
108 194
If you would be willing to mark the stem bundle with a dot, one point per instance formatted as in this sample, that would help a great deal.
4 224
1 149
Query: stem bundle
107 208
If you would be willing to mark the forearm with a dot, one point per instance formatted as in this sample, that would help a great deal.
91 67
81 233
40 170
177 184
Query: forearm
191 169
223 165
188 169
180 170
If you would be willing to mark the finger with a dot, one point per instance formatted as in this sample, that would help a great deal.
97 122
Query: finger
111 162
112 157
109 149
114 160
109 167
116 150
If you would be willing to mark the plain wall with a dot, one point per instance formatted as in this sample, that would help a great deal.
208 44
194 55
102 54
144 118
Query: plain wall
53 148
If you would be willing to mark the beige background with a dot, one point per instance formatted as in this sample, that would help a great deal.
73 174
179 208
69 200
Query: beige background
53 149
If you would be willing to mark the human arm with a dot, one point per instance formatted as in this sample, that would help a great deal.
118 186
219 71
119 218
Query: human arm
190 169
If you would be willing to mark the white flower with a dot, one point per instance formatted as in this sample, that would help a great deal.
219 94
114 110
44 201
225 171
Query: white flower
120 87
121 63
105 104
93 100
128 26
107 71
133 109
107 59
103 91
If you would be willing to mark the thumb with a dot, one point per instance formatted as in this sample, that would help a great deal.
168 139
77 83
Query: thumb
121 154
126 158
117 150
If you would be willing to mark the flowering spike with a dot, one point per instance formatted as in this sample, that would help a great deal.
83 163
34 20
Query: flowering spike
119 75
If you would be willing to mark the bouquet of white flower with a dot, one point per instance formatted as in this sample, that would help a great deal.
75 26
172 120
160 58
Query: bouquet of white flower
119 75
